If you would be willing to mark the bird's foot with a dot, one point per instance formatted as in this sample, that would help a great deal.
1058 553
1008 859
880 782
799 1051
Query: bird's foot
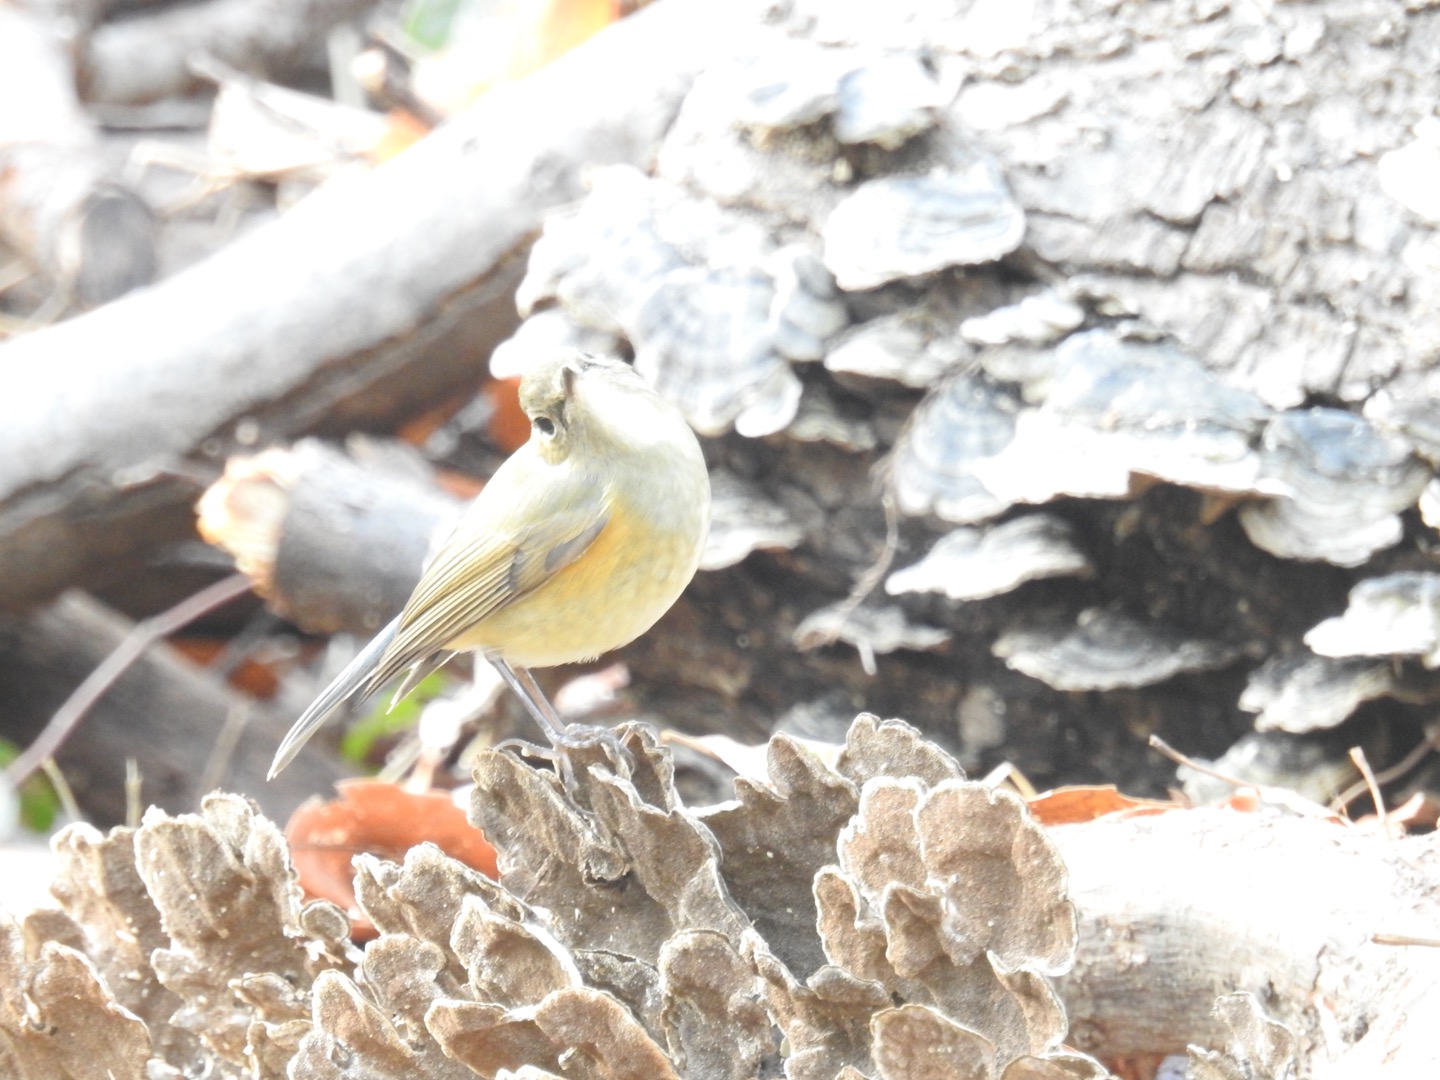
573 749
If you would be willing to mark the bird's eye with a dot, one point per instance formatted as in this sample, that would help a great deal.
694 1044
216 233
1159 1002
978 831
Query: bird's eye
544 425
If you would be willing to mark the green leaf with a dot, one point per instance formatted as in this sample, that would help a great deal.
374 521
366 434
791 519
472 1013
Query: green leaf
428 23
39 805
383 721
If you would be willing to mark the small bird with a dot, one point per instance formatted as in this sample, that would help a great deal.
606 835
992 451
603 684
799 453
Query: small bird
581 540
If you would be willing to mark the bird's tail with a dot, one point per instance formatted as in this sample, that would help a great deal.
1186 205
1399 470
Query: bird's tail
345 685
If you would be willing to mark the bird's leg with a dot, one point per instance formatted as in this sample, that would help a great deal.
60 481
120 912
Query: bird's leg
538 706
536 703
556 730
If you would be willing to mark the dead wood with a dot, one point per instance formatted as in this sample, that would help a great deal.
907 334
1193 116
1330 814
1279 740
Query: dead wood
367 303
1179 908
332 543
87 232
187 731
148 55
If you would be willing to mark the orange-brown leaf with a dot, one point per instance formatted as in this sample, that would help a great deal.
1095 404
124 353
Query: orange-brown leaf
1069 805
382 819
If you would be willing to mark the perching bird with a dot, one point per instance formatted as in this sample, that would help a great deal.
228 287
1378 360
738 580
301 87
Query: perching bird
581 540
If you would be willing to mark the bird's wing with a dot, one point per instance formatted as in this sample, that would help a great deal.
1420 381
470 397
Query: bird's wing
477 571
344 686
480 570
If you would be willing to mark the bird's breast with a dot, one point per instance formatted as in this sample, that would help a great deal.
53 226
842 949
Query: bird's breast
613 591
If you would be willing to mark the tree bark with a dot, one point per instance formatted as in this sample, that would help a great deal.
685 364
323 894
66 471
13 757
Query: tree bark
227 741
331 543
147 56
1178 908
90 235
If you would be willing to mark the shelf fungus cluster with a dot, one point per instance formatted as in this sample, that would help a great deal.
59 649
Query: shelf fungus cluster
843 921
1102 417
945 254
1343 485
978 563
1385 644
1107 649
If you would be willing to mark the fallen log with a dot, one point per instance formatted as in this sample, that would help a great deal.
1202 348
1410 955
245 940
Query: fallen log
227 739
1178 908
150 54
88 233
331 543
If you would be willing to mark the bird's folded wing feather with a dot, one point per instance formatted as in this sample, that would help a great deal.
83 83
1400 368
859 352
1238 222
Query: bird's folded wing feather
477 572
345 685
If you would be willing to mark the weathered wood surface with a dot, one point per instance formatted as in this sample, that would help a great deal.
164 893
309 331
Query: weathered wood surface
152 53
187 731
332 543
1179 908
89 234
